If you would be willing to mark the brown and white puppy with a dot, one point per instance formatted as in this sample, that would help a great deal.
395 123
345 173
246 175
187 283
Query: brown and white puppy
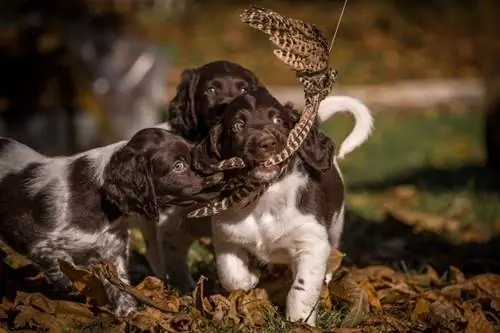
198 105
77 208
296 221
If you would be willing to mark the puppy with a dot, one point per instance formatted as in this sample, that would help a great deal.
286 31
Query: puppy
196 106
193 110
298 219
77 208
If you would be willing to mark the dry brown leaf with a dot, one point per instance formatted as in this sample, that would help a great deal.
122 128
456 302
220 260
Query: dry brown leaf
445 314
85 282
324 299
149 319
334 261
433 276
388 296
456 276
29 317
388 323
346 289
379 272
371 293
200 302
154 289
488 283
421 307
253 305
476 320
36 300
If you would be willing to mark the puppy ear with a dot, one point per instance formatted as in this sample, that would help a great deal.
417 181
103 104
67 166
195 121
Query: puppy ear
128 184
208 151
182 109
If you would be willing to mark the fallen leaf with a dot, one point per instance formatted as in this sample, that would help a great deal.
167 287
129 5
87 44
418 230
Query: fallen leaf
443 313
371 293
334 261
421 307
433 276
36 300
86 282
476 320
346 289
154 289
456 276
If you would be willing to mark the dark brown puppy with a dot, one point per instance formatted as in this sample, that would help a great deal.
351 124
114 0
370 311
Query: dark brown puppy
195 107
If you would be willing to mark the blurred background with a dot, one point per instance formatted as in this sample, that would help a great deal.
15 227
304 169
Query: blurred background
77 74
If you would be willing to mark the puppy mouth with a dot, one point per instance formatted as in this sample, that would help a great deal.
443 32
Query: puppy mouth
263 173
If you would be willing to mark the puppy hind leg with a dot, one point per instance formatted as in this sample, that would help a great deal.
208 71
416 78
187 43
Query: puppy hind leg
335 235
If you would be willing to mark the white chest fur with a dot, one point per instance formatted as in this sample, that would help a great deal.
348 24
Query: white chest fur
272 228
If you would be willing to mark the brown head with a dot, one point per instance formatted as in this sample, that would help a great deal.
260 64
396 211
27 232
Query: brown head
153 171
196 106
254 126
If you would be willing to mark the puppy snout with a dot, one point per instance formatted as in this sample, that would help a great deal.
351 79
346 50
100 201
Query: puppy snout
267 144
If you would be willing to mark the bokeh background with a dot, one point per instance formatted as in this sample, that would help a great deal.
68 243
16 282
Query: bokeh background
77 74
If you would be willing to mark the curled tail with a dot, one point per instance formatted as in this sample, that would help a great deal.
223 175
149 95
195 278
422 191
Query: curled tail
362 116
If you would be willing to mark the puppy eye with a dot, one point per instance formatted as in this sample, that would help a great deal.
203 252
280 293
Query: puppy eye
277 120
243 90
238 126
179 167
211 90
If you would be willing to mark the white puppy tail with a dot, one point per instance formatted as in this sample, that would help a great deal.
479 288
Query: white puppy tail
362 116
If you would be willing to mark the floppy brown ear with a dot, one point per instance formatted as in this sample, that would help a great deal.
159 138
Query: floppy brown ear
318 150
182 109
207 152
128 184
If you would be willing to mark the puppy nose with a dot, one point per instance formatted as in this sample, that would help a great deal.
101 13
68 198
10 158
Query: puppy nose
267 144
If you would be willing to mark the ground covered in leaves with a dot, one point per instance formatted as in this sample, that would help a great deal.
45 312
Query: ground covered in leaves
420 252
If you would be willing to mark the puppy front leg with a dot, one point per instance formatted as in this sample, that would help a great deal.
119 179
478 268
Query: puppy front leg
233 266
123 302
174 242
46 255
309 268
149 230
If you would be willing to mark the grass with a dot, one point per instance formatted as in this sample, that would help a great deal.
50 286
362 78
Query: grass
434 157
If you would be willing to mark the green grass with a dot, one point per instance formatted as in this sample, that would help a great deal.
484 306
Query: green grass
438 155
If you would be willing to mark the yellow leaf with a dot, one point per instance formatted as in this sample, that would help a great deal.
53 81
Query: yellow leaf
371 293
421 307
334 261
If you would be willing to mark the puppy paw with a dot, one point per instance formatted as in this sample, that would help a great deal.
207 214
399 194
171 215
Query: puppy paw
124 306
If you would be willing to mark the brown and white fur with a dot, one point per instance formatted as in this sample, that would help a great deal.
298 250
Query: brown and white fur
298 219
78 208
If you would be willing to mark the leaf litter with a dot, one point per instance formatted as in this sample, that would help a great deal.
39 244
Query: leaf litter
373 298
